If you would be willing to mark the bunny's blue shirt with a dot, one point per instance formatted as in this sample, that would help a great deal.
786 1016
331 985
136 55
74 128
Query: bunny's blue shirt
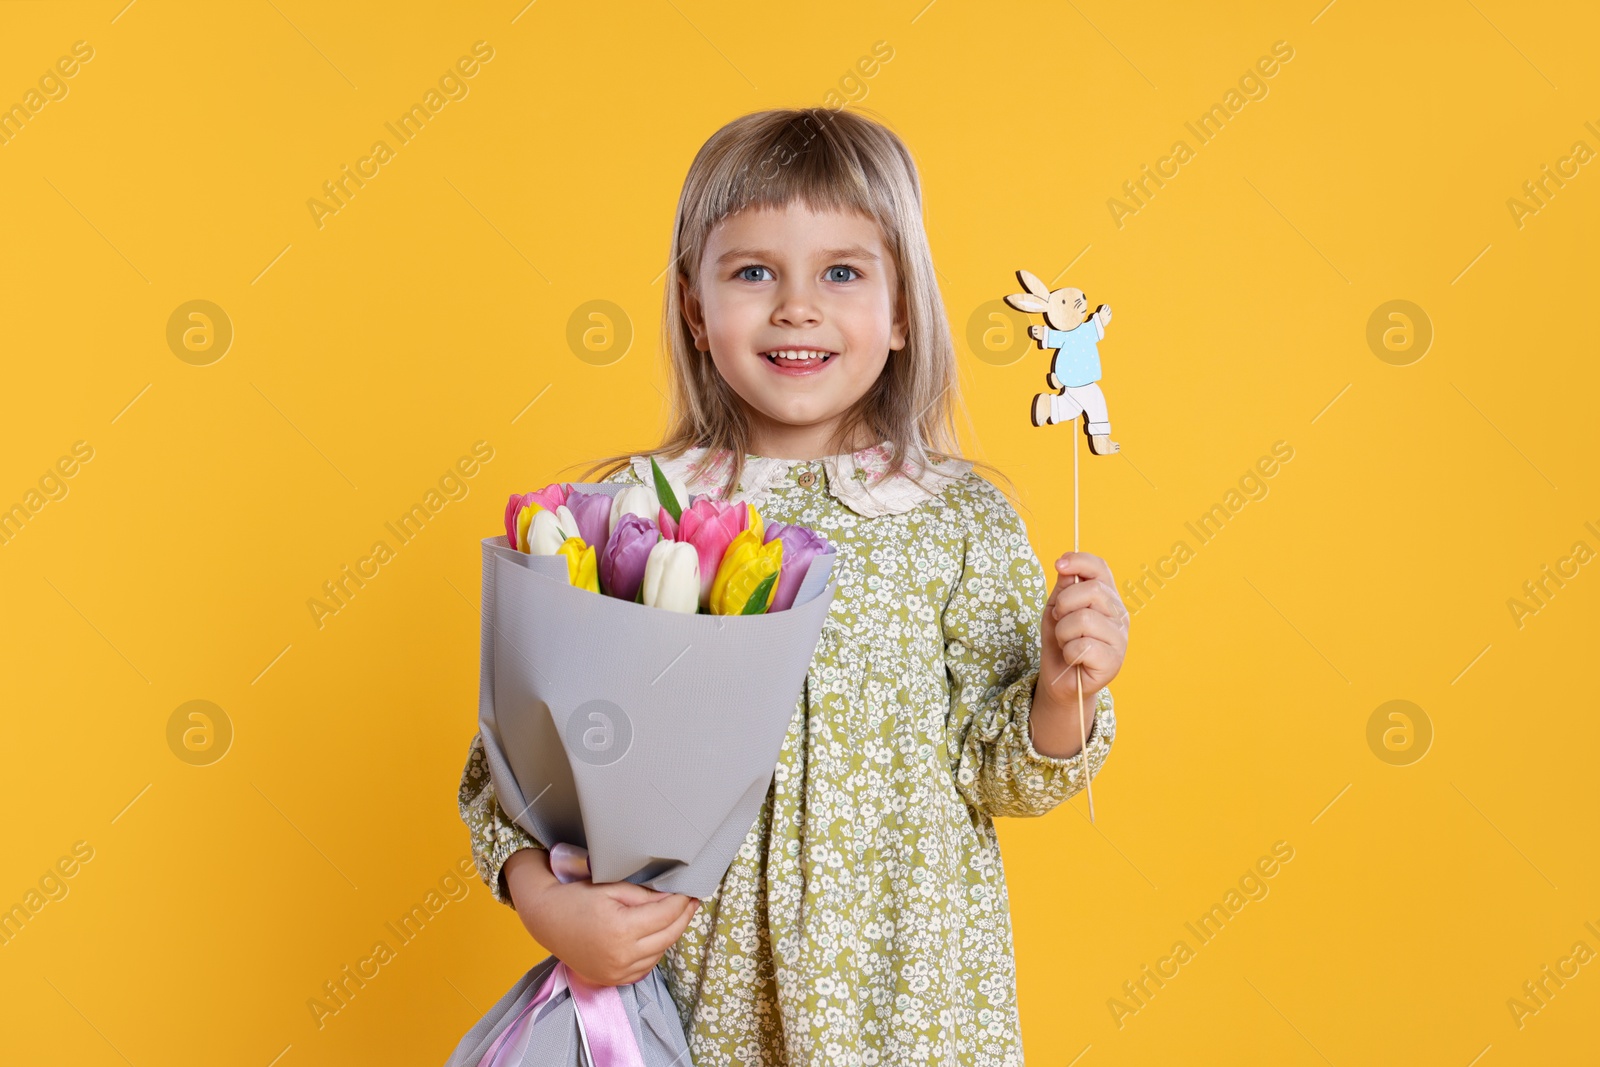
1077 359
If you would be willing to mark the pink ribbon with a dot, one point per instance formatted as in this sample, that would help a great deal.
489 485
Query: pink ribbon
602 1019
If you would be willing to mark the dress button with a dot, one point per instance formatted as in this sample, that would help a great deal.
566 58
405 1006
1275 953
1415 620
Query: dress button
807 478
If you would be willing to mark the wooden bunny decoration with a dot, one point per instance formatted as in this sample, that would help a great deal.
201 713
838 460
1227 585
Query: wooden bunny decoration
1075 372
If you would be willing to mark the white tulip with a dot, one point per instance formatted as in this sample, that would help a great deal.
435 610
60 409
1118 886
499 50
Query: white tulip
548 529
672 577
567 521
634 500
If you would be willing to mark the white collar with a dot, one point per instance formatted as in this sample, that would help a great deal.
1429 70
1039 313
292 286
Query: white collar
846 475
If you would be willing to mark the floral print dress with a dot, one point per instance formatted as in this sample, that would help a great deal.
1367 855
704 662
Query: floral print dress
865 919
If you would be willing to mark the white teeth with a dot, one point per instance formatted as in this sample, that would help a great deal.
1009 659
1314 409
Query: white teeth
797 356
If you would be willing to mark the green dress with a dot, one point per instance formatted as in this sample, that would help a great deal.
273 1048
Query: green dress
865 918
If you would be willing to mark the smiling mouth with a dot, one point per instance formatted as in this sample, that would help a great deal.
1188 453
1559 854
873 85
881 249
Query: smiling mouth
798 357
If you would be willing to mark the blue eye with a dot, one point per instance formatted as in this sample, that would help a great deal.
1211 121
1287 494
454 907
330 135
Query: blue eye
742 275
852 270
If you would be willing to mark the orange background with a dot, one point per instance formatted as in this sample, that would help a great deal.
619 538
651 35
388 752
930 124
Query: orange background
1429 878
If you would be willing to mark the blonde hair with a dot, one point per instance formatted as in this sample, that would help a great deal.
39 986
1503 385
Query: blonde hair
827 160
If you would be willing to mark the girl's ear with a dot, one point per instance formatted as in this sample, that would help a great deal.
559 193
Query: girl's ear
901 326
693 314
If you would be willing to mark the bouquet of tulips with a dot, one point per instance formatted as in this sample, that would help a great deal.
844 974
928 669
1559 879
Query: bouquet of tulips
642 544
634 744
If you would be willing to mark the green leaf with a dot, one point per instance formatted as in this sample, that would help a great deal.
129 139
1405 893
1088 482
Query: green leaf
668 498
638 598
757 604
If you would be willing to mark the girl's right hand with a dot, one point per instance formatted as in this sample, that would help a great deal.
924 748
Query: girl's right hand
610 933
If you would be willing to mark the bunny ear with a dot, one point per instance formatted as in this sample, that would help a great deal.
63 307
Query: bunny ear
1026 302
1033 285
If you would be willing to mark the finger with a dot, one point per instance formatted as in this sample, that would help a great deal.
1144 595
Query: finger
641 968
1090 627
1085 655
1092 657
1086 566
1064 681
659 942
646 919
631 894
1090 624
1094 596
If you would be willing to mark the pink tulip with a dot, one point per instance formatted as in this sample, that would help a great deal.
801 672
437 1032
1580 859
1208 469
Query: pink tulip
665 523
517 502
550 497
710 525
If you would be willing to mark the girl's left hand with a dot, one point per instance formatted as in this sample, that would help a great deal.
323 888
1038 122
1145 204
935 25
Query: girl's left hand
1085 624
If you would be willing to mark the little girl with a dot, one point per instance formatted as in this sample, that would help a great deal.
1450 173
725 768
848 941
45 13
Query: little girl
865 919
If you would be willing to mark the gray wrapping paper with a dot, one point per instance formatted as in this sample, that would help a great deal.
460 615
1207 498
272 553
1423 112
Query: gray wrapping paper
555 1039
648 737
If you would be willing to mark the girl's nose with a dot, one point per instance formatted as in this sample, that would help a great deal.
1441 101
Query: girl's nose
797 306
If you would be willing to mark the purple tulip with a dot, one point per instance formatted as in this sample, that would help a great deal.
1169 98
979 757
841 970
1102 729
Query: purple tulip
592 512
622 562
801 545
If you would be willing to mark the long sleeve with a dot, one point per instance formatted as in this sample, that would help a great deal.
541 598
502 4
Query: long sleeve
991 631
494 836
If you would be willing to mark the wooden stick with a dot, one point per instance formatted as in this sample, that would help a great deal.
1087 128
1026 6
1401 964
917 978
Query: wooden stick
1083 742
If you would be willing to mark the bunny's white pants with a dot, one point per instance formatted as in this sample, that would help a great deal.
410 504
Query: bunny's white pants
1075 400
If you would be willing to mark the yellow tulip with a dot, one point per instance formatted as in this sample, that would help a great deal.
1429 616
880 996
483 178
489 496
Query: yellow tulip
740 551
745 564
524 517
583 570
